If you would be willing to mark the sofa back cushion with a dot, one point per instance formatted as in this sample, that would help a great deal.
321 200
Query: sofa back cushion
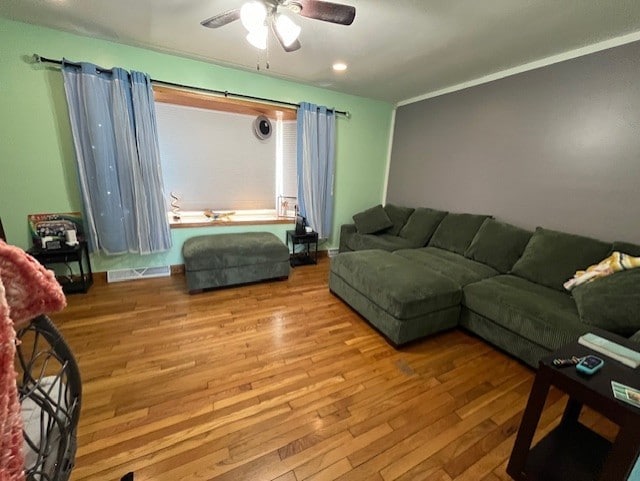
372 220
626 248
456 231
399 216
421 225
498 245
386 242
611 303
552 257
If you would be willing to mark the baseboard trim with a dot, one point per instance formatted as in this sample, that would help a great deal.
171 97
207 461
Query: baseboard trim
178 269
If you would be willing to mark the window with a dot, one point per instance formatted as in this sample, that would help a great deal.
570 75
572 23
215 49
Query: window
286 166
212 159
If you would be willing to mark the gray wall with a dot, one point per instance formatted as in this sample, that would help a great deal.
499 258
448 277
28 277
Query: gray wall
557 147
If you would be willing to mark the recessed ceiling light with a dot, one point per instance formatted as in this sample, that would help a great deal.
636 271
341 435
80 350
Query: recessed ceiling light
339 67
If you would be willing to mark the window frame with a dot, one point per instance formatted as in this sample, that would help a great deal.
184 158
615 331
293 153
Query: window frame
191 98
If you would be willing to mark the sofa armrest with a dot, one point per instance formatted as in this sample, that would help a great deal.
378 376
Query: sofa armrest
346 231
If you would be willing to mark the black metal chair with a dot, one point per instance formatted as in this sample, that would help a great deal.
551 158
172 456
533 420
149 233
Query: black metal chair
50 391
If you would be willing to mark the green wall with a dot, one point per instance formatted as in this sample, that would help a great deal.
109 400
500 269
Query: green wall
37 164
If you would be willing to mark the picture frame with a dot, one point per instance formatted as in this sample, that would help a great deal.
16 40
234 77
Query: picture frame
287 206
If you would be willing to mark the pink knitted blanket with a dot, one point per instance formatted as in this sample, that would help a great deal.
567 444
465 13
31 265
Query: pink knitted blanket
27 290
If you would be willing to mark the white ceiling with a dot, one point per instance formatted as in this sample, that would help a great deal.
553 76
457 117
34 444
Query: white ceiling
395 49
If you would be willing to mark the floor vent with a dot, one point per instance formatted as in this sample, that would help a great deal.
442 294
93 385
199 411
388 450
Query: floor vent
120 275
332 252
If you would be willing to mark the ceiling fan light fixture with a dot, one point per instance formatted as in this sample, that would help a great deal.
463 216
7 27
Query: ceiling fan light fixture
288 30
253 15
295 7
258 37
260 16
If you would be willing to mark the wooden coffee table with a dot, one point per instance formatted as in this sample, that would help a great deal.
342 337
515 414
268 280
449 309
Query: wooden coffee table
572 451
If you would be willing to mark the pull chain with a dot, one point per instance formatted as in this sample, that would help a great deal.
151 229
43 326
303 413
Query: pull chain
267 53
266 56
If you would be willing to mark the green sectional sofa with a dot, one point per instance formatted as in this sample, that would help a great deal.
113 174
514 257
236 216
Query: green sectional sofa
416 272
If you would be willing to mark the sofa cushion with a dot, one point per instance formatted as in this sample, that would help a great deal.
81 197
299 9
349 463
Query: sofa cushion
402 288
611 303
359 242
372 220
458 268
456 231
421 225
346 232
552 257
626 248
399 216
539 314
498 245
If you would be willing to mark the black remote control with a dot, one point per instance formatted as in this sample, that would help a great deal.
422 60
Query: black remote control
566 362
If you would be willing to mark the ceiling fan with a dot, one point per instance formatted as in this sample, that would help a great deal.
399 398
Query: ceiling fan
258 16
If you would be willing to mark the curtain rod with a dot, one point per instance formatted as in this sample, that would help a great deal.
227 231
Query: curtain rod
39 59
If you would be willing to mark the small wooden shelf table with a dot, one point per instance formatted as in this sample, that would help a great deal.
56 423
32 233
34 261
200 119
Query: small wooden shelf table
572 451
308 255
79 253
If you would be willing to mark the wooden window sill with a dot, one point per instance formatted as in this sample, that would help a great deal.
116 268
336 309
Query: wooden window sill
198 219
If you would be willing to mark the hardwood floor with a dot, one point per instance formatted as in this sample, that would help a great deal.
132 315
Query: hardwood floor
282 381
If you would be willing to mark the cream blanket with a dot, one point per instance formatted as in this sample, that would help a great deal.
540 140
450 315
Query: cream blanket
616 262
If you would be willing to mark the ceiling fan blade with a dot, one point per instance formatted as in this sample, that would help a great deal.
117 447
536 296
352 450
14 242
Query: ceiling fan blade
221 19
291 48
327 11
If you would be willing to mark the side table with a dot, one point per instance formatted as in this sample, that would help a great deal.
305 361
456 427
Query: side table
307 256
79 253
572 451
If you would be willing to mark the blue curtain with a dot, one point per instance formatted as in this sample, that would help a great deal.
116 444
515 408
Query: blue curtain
316 166
116 142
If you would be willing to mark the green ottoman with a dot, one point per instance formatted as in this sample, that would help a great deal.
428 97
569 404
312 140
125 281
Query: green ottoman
228 259
403 299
